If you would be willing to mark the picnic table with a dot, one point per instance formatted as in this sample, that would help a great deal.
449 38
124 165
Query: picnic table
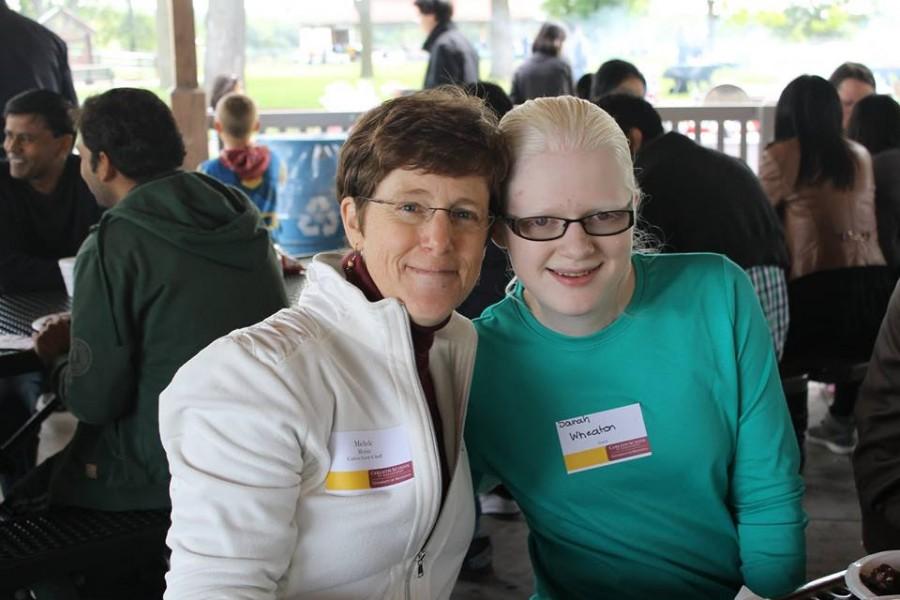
17 312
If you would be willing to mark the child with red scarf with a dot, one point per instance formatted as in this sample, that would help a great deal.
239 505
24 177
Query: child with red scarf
251 168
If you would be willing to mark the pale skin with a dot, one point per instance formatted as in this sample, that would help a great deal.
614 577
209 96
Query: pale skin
850 92
632 86
578 284
109 186
427 22
432 267
230 142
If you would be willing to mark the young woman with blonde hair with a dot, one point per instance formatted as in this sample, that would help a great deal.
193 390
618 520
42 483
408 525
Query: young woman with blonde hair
630 402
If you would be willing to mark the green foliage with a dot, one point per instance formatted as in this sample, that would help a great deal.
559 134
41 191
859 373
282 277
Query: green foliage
799 22
580 9
271 35
114 28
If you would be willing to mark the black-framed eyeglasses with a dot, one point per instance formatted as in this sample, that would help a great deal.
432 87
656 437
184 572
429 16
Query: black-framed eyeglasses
545 229
414 213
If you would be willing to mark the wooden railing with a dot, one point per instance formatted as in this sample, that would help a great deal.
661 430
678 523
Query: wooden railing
738 129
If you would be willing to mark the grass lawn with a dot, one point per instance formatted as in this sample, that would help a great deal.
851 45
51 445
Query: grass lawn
304 86
299 86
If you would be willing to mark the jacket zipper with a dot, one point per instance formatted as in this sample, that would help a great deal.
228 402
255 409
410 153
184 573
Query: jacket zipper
424 414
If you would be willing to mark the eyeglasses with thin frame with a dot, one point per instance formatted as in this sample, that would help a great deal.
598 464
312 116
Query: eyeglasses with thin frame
408 212
544 229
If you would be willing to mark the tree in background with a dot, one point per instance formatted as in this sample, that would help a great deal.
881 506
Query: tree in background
804 21
164 49
226 26
583 9
33 8
364 9
501 41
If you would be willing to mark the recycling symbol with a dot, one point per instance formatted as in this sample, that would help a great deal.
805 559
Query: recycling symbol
320 218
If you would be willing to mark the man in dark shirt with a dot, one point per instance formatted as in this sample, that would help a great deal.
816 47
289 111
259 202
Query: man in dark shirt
453 59
31 56
702 200
46 209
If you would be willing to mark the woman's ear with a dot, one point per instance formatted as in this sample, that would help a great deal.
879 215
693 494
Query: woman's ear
352 223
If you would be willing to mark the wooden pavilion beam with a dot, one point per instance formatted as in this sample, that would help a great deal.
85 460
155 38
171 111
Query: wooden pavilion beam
188 99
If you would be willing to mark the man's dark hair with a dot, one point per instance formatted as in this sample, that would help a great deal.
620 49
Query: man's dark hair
135 129
631 112
492 94
875 123
549 39
852 70
809 109
583 87
611 74
441 9
53 108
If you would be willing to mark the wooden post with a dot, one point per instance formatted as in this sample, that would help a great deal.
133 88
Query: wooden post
188 99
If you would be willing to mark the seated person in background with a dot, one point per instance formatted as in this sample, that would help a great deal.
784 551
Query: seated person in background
822 186
222 85
630 402
853 82
876 461
875 123
177 260
583 87
545 73
251 168
701 200
618 77
46 209
495 273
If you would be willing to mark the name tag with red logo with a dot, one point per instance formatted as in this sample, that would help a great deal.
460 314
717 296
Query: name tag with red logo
362 461
602 438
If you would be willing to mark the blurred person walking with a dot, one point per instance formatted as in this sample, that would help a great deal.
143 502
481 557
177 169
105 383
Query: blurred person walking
545 73
453 59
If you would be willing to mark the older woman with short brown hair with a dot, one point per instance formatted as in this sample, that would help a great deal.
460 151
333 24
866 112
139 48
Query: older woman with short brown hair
319 454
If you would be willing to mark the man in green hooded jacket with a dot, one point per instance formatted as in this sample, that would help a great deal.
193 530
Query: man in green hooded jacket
177 261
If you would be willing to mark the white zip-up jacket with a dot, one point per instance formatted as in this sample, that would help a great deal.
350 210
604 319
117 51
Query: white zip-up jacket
303 458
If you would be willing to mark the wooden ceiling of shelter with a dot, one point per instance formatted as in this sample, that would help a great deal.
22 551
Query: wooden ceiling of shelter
342 12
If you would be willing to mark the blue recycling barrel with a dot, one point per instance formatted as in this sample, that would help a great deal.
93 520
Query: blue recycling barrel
307 214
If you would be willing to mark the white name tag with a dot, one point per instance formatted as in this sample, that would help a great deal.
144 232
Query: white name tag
367 460
602 438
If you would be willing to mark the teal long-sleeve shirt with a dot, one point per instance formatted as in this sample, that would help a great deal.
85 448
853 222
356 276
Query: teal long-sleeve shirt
710 500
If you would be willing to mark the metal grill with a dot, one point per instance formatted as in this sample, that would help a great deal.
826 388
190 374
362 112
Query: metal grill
47 532
830 587
17 311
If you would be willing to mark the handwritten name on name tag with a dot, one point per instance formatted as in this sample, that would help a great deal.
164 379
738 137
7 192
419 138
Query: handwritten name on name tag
602 438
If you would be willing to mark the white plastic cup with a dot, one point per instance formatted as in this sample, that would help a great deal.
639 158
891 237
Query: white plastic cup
67 268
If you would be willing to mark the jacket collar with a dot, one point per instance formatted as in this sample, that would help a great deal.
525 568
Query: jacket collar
330 292
433 36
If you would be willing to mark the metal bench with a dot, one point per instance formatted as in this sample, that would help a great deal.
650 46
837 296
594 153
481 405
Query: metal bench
67 541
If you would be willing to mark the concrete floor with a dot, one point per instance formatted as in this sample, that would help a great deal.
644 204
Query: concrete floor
833 538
